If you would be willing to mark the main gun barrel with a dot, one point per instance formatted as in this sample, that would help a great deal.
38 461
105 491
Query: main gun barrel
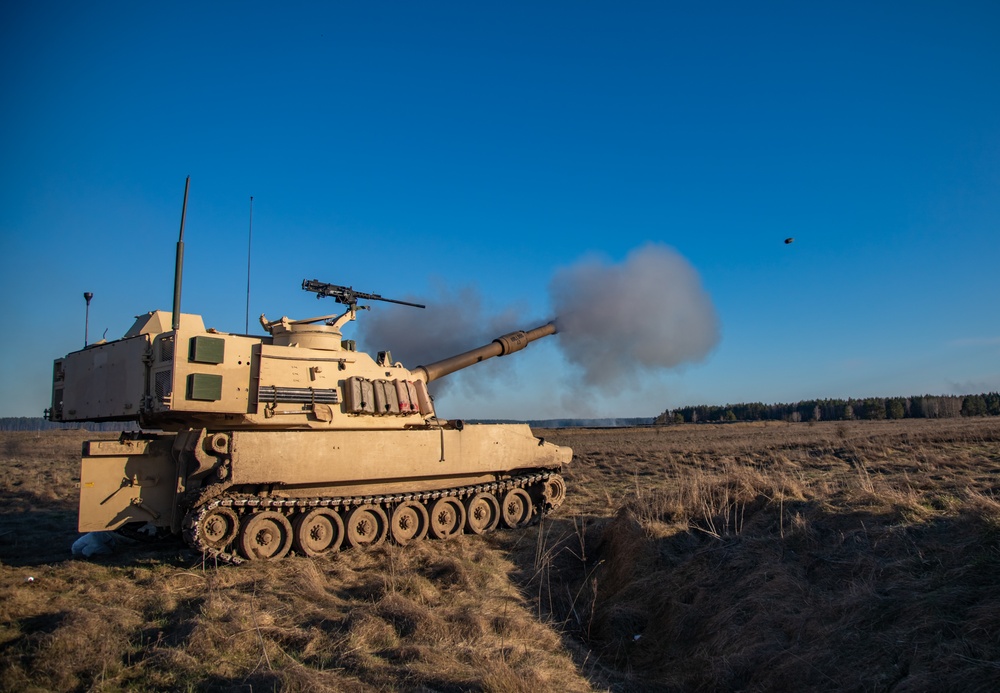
501 346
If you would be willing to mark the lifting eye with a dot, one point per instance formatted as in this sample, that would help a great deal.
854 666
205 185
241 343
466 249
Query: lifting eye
220 443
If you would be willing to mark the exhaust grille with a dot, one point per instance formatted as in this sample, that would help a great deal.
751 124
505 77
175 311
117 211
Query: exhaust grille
163 384
167 349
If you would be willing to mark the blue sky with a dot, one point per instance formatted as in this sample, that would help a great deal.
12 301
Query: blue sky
443 150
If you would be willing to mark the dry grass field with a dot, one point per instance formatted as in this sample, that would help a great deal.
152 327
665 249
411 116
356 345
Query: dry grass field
844 556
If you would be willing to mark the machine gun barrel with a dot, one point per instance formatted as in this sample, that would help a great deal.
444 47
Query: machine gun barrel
501 346
347 295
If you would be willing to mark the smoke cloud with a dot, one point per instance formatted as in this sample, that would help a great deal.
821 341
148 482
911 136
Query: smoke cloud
454 322
616 321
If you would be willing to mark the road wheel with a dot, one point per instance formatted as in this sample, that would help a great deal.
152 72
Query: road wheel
447 518
265 535
367 525
318 531
515 509
409 522
482 513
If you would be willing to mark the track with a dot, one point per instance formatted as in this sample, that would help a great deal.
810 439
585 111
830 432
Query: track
233 527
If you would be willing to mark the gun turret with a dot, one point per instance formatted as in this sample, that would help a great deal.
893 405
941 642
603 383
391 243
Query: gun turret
501 346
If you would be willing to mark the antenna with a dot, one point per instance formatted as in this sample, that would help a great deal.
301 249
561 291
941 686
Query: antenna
179 263
87 295
246 329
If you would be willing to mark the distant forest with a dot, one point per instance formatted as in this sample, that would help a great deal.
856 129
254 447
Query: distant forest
923 407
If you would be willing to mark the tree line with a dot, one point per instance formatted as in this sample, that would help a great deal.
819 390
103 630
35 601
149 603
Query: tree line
922 407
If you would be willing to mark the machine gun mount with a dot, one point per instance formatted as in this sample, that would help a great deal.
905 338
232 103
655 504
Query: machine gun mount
347 295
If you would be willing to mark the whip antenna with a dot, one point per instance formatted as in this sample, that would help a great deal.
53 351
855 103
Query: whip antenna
246 328
179 262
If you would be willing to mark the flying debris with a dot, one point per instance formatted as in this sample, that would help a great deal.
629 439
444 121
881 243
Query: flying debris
789 241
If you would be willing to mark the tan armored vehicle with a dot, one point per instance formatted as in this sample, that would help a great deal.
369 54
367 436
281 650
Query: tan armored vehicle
256 445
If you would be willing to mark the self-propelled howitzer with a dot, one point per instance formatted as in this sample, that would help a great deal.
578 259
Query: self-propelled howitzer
253 446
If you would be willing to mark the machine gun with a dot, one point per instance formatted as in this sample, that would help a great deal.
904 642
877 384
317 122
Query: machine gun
347 295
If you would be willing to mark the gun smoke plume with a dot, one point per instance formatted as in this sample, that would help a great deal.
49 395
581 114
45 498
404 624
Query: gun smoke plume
454 322
615 322
649 312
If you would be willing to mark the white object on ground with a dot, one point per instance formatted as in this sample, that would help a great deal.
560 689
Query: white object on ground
95 544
